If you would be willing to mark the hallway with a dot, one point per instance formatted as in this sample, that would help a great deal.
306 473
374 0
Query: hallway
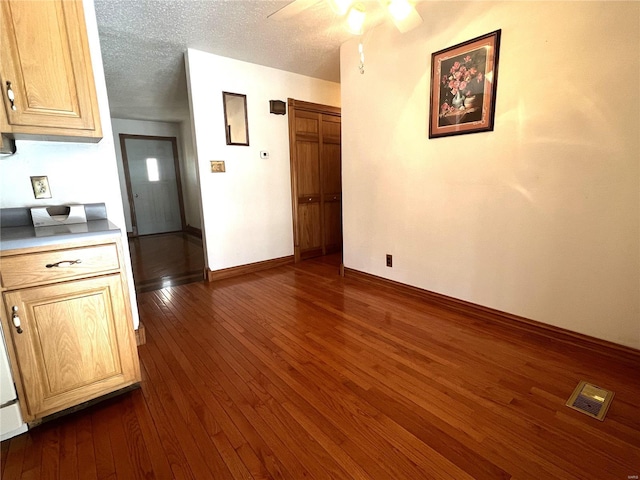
165 260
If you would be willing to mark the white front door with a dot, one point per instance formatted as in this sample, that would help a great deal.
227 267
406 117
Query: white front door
154 185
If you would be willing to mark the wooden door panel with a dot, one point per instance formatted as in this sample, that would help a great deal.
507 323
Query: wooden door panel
72 348
308 168
331 129
331 170
55 60
333 226
81 348
62 97
307 123
310 226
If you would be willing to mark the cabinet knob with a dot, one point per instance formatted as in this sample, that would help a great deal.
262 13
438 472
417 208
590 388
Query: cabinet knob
11 96
16 319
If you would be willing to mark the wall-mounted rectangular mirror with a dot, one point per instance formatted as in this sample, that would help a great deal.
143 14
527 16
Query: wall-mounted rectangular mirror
235 118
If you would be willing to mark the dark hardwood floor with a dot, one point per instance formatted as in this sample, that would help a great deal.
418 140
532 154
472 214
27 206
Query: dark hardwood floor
297 373
165 260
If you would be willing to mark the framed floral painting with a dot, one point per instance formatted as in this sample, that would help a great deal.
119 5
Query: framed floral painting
464 80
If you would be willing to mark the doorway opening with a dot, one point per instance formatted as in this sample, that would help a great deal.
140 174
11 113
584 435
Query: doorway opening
164 251
152 175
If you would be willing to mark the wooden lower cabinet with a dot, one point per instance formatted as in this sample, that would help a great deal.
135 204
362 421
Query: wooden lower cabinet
76 341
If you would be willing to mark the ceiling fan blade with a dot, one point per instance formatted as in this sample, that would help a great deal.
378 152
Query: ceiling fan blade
292 9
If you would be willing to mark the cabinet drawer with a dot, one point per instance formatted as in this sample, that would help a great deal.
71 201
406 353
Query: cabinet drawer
57 265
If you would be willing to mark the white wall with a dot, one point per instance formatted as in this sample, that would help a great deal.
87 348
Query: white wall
188 179
192 207
78 172
247 210
539 218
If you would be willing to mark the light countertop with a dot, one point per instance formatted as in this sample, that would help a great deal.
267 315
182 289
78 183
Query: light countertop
12 238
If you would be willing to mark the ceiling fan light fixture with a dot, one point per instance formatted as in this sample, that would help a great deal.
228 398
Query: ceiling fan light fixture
404 14
355 19
340 6
399 9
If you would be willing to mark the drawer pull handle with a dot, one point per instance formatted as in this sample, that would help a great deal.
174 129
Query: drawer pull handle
61 262
16 319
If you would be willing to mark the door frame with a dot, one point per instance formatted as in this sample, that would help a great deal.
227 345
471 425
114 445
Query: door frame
127 176
314 108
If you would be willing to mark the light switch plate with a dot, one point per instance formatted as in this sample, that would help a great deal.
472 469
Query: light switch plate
40 187
217 166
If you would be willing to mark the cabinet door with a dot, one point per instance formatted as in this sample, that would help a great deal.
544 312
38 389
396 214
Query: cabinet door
77 343
45 57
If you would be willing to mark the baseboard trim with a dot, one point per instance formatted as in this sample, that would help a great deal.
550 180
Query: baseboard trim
191 230
600 346
215 275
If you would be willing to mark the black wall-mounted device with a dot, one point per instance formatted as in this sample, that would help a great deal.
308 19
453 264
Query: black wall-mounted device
277 107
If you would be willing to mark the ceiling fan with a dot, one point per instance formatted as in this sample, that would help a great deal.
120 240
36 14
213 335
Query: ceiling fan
402 12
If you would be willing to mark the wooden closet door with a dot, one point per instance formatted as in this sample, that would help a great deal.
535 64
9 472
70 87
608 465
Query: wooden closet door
316 184
331 169
307 171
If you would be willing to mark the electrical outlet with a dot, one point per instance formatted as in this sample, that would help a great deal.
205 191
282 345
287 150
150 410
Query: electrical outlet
389 260
41 187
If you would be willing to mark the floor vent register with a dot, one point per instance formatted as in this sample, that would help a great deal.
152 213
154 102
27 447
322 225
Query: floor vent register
590 400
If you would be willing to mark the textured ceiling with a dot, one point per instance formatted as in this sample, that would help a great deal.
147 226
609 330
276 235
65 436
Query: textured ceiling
143 42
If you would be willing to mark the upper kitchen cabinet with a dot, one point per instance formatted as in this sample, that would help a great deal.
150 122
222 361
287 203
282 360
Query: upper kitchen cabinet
47 80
